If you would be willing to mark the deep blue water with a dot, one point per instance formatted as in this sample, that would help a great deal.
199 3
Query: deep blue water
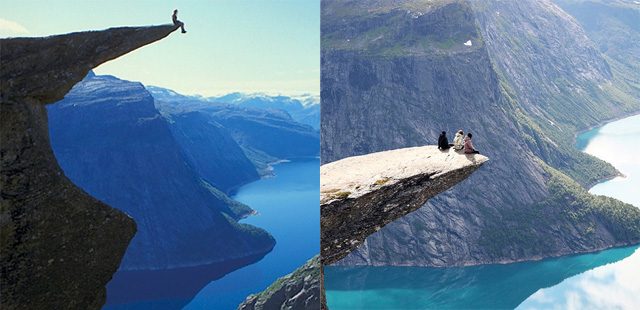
603 280
288 209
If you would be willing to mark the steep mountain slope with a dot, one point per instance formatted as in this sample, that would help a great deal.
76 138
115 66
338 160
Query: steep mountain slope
265 136
111 141
614 28
58 245
395 74
213 152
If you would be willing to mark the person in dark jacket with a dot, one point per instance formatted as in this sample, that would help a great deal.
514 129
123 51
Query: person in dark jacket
468 146
443 142
176 21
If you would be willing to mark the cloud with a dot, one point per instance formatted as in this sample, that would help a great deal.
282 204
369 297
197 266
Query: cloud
7 26
541 297
612 286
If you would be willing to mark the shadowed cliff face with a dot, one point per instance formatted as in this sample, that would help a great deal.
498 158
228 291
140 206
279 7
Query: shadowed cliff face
59 245
362 194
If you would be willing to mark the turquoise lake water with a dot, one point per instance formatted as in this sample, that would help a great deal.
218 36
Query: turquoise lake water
288 209
605 280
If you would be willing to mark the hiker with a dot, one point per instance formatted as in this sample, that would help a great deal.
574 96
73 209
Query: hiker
458 140
443 142
176 21
468 146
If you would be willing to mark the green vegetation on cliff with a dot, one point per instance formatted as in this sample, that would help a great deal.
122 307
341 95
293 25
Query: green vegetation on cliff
583 215
378 29
551 99
535 80
297 290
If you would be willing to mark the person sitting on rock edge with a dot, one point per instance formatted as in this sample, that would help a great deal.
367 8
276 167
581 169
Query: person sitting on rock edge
176 21
468 146
458 141
443 142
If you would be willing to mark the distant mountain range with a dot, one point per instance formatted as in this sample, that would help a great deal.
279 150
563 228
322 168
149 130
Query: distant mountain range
172 171
304 108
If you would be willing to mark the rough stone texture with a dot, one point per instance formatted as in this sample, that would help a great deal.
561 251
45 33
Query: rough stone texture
298 290
396 73
360 195
59 246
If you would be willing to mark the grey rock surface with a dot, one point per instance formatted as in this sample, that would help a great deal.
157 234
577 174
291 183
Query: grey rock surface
59 246
298 290
361 194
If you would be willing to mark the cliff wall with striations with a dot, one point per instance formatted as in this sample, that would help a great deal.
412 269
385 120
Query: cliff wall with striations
523 78
59 246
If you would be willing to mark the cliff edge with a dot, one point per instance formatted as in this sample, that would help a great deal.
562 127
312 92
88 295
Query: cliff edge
297 290
59 246
360 195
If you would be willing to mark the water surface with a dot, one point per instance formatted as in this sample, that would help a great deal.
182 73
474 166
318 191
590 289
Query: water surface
288 207
474 287
615 286
603 280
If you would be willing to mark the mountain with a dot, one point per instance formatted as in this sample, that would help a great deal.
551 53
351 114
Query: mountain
110 140
614 28
304 108
265 135
523 77
212 151
59 246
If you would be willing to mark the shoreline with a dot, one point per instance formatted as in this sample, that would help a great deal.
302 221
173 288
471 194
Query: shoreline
604 122
600 124
505 262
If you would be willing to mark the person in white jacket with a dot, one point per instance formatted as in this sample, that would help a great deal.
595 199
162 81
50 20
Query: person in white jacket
458 140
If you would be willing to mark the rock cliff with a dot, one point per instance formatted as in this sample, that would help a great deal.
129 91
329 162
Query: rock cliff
360 195
59 246
111 141
298 290
523 77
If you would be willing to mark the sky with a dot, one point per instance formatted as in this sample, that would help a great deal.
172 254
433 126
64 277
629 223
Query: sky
270 46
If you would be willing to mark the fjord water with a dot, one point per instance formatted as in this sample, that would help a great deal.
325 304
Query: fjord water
616 285
288 209
602 280
619 144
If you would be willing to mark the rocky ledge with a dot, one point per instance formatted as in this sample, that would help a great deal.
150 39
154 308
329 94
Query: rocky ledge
59 246
360 195
297 290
